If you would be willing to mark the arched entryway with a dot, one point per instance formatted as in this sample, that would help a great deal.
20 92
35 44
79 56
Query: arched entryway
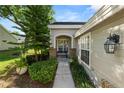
63 45
62 42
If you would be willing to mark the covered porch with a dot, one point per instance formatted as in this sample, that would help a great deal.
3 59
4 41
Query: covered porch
63 46
62 38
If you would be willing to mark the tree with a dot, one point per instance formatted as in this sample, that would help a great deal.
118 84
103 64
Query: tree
33 21
38 29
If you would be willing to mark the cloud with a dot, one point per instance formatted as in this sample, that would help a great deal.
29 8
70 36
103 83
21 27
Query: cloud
69 16
90 11
84 16
96 7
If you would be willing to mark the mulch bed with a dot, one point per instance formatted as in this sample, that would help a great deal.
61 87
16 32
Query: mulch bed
25 81
12 80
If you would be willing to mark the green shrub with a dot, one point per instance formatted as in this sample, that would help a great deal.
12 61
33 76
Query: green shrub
80 76
20 63
43 71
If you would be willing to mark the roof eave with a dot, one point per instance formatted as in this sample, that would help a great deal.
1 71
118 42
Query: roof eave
104 13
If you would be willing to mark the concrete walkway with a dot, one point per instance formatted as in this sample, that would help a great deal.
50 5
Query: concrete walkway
63 78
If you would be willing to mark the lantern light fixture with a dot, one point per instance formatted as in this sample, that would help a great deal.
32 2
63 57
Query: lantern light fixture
111 43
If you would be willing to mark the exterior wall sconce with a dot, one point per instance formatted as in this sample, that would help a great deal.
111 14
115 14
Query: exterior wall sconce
111 43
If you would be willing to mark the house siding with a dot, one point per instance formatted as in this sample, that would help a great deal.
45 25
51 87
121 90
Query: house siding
108 66
105 70
4 35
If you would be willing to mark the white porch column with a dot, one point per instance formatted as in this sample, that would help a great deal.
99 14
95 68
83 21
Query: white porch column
79 41
72 42
50 39
54 42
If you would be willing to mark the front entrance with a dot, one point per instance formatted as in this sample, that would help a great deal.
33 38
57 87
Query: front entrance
63 45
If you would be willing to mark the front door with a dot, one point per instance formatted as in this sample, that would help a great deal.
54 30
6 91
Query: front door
62 45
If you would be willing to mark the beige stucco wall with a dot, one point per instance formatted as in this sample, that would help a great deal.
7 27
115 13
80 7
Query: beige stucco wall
63 30
60 32
108 66
4 35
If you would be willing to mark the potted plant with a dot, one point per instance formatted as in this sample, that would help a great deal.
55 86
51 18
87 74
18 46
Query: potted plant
21 67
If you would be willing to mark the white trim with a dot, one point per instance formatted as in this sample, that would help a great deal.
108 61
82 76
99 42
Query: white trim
82 62
90 42
90 48
79 43
65 26
72 41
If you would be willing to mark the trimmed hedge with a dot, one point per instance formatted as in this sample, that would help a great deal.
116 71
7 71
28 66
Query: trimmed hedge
43 71
80 76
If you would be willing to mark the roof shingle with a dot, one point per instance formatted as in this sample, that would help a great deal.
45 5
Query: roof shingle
68 23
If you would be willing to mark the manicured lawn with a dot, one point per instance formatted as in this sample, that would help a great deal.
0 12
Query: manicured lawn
7 60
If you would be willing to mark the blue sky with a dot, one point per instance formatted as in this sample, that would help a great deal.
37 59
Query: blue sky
79 13
65 13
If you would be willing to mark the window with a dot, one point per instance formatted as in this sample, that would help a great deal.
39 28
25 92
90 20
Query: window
85 47
85 56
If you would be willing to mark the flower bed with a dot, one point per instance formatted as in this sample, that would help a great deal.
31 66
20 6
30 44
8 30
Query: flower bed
80 76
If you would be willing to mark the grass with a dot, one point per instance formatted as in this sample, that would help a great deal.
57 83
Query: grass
30 52
7 73
80 76
7 60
